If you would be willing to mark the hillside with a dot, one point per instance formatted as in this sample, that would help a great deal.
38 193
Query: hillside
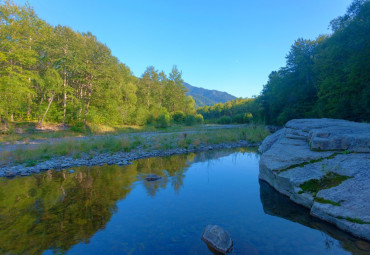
204 97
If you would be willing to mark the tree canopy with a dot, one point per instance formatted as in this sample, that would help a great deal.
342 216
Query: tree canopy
59 75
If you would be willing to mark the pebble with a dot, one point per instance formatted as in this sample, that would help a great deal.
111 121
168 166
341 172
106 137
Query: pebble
107 158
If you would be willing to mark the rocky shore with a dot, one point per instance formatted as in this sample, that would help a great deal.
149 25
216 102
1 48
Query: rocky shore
119 158
324 165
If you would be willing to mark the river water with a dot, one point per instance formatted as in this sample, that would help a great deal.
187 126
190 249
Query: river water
114 210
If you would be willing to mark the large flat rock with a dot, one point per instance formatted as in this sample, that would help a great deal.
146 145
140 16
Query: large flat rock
309 149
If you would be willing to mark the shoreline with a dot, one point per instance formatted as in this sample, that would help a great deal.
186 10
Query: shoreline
120 158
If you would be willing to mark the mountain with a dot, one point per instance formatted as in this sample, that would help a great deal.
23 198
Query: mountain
204 97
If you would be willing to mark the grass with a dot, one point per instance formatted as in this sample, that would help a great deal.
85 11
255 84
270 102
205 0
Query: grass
354 220
329 180
326 201
113 144
313 161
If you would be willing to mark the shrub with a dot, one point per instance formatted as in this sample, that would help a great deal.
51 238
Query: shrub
79 127
199 118
248 117
163 120
239 118
190 120
178 117
224 120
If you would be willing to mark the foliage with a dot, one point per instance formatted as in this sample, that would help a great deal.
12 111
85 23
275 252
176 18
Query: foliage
199 118
326 77
225 120
190 120
178 117
163 120
54 74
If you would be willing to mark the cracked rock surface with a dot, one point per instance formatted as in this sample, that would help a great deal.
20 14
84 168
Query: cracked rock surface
305 151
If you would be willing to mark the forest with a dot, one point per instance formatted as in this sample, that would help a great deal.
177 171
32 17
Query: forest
58 75
327 77
55 74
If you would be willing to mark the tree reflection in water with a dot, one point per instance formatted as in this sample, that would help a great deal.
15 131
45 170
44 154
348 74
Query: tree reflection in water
56 210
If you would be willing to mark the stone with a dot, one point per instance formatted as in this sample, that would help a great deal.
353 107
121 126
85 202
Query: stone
152 177
217 238
71 171
308 149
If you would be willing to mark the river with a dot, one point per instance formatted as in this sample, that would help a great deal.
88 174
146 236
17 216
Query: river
114 210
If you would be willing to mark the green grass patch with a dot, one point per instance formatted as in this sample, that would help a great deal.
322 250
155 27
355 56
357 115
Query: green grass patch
310 162
325 201
354 220
329 180
112 144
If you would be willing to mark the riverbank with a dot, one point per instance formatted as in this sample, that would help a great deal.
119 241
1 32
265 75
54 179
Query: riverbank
26 160
323 164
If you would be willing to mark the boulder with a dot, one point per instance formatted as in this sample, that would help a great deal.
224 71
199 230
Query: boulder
217 238
299 160
152 177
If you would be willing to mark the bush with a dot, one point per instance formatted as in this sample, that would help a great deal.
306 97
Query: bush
190 120
163 120
239 118
79 127
178 117
199 118
248 117
225 120
150 119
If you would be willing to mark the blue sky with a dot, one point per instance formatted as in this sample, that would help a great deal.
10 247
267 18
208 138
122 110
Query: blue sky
228 45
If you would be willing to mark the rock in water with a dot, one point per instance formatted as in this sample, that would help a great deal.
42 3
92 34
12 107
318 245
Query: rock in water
217 238
307 153
152 177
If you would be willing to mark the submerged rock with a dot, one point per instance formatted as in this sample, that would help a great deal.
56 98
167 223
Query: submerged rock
152 177
324 165
217 238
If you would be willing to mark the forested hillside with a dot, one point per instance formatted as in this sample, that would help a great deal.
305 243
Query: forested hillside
56 74
326 77
208 97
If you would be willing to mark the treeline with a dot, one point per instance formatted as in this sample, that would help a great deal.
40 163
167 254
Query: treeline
326 77
236 111
59 75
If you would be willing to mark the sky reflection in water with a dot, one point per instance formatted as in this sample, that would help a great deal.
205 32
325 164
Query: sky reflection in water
112 209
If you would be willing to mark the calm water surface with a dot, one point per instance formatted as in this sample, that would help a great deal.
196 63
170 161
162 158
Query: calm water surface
113 210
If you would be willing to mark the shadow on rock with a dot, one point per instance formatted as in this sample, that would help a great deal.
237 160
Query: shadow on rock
276 204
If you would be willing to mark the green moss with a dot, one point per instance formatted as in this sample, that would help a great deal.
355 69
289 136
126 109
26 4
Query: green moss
329 180
354 220
313 161
325 201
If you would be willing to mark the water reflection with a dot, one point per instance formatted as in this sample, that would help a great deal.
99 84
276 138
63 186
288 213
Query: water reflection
56 210
276 204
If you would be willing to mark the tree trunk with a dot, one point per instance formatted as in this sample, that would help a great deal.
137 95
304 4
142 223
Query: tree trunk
87 104
4 122
47 109
64 98
12 117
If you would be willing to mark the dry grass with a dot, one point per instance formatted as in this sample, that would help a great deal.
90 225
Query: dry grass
113 144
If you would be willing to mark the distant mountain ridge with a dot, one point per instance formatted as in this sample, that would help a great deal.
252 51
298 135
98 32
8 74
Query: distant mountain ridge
208 97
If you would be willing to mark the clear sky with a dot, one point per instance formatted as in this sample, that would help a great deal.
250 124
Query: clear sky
228 45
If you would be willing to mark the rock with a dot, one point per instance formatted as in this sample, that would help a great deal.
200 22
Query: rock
217 238
152 177
71 171
309 149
